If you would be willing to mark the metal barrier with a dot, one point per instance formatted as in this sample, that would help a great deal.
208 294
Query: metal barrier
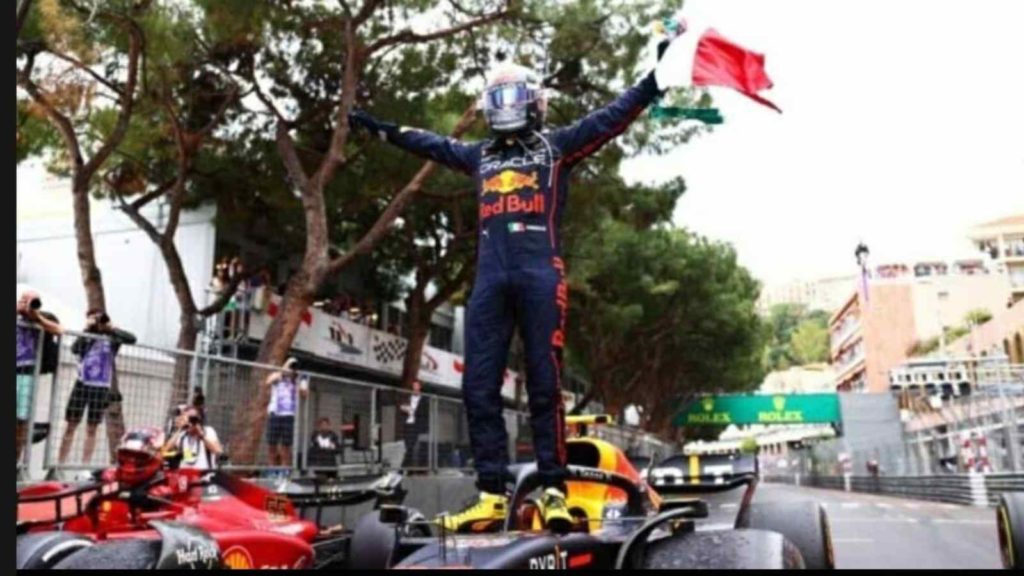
966 489
342 426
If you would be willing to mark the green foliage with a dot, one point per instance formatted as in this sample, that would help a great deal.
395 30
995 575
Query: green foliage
930 345
748 445
659 316
796 336
809 343
977 317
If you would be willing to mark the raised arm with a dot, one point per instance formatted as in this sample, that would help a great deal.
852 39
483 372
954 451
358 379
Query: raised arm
443 150
588 134
49 323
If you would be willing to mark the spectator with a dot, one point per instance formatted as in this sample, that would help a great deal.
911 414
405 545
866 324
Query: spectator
199 401
96 373
284 391
197 443
260 284
415 424
324 445
172 422
221 280
29 319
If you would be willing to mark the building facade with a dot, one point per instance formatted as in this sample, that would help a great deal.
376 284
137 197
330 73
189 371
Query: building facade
905 305
1003 241
824 294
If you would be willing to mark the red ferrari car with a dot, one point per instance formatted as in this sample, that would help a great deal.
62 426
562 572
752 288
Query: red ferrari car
185 519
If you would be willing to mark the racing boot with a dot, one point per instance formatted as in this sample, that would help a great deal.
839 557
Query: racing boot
556 514
484 515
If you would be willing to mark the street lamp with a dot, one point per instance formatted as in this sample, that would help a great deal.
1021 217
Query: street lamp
862 253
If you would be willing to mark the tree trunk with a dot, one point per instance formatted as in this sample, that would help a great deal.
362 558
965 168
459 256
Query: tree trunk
417 329
91 279
21 16
250 421
188 331
188 335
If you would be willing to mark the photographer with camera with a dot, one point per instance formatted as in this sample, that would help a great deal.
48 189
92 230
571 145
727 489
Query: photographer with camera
197 443
96 375
29 320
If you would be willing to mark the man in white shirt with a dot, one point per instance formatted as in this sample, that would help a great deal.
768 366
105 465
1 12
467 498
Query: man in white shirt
412 429
197 443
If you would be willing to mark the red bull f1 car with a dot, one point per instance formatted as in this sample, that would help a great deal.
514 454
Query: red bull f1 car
621 522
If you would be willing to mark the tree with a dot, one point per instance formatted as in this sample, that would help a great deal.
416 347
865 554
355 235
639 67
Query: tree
809 343
307 83
661 316
795 336
187 98
444 260
977 317
287 68
79 70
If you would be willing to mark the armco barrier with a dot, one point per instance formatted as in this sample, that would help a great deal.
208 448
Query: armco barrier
966 489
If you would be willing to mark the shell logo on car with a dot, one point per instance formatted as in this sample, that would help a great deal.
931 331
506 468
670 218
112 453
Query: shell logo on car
237 558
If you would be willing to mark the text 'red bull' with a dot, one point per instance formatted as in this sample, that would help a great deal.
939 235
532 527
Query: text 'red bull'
513 205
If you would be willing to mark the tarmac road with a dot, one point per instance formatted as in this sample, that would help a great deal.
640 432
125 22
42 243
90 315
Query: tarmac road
871 531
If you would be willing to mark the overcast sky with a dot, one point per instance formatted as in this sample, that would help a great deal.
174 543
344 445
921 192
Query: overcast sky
903 126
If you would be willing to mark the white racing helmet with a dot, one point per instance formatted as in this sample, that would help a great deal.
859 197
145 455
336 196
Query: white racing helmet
514 100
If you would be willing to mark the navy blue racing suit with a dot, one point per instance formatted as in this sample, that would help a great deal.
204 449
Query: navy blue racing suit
522 184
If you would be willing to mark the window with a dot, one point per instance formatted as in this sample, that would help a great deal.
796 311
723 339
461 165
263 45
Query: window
441 337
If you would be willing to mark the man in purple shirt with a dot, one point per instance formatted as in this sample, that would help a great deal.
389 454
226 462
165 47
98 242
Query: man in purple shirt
30 322
96 373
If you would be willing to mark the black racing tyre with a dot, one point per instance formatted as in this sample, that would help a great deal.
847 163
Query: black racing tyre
805 524
373 543
138 554
723 550
43 550
1010 522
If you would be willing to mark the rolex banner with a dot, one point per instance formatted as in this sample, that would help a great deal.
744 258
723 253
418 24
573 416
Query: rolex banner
761 409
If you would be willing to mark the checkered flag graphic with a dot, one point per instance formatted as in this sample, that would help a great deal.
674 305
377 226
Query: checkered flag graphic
388 351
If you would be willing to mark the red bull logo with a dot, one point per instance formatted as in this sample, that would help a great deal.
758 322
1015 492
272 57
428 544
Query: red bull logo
512 205
508 181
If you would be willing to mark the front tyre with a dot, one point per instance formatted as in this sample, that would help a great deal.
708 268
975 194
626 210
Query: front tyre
1010 523
141 554
44 550
805 524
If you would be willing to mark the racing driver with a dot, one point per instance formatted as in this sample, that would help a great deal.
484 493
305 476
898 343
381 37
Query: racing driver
521 173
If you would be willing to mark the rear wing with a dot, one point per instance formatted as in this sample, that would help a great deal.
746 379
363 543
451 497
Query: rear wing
703 473
578 423
54 502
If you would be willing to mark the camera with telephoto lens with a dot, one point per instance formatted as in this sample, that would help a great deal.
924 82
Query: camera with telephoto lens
35 304
194 420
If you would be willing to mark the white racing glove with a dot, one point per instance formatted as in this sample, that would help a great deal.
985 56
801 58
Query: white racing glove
675 68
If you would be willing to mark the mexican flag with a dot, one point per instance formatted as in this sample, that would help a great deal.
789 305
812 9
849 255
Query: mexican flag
709 59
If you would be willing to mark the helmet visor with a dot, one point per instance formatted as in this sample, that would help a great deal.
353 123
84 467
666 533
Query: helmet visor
509 96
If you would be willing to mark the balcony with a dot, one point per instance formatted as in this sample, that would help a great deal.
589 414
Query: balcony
849 326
